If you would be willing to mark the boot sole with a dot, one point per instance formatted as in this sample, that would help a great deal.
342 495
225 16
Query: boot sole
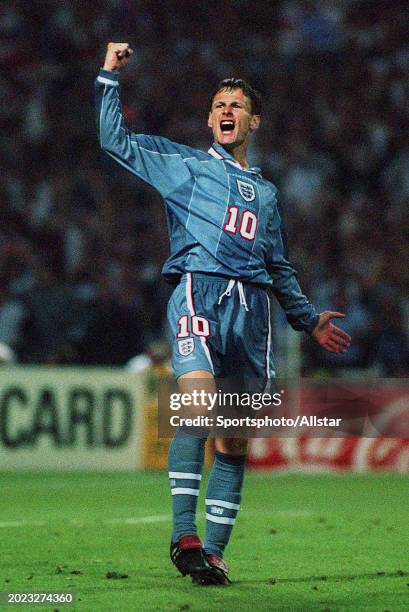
210 577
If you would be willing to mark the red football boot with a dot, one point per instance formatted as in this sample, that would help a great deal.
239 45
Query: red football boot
187 555
218 574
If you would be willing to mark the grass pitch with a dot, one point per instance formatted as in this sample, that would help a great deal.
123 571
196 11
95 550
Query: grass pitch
318 542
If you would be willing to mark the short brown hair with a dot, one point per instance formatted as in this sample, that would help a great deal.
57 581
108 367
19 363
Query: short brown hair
249 91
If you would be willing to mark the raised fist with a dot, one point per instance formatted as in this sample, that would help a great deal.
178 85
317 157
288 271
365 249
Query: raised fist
117 56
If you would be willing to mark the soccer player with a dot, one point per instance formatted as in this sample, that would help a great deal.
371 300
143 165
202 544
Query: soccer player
227 246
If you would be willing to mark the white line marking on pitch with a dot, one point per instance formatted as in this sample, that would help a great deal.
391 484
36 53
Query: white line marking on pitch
154 518
22 523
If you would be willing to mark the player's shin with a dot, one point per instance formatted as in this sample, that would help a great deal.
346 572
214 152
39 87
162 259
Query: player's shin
186 457
223 500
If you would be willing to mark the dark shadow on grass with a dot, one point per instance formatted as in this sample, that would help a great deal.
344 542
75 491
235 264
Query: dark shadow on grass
336 578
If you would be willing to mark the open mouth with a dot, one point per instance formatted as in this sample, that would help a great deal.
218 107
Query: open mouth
227 125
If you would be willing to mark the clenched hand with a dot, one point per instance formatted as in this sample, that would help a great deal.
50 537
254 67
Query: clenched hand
117 56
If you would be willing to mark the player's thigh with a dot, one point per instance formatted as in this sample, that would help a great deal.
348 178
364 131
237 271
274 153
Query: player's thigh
199 386
191 351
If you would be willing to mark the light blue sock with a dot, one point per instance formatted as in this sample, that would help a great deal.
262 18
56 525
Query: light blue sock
186 458
223 498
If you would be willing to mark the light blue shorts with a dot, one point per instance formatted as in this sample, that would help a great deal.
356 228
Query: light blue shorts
221 326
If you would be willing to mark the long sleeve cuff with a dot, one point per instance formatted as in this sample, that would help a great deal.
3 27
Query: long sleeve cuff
108 78
310 328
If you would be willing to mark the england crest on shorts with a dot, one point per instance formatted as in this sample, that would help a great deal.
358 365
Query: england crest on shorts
186 346
246 190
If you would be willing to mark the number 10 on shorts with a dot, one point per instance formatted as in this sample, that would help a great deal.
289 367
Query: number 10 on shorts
198 326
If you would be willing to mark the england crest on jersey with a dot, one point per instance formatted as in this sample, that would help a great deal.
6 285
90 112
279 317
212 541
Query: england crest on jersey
246 190
186 346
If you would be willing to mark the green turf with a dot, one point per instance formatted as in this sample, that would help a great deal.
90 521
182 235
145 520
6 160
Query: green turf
319 542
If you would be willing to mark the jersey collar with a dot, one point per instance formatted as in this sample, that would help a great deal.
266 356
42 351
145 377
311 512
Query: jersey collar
219 152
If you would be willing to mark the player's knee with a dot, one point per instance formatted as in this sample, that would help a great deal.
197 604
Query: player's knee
232 446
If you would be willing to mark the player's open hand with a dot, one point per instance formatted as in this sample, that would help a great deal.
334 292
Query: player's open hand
117 56
329 336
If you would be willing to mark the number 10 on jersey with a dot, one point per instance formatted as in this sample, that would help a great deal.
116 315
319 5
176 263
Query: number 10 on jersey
246 223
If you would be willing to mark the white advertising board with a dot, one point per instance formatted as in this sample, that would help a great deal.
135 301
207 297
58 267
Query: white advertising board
70 418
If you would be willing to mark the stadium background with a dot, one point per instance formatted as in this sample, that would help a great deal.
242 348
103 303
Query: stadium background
82 243
81 248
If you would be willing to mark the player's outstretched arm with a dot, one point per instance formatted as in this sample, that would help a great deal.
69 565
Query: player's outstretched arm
329 336
117 56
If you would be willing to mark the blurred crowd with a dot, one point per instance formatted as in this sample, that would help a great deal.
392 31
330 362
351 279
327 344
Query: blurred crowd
82 242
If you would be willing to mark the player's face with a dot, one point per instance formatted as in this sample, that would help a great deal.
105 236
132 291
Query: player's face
231 119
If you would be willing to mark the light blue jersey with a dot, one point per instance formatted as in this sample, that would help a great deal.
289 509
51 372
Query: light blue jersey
222 220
